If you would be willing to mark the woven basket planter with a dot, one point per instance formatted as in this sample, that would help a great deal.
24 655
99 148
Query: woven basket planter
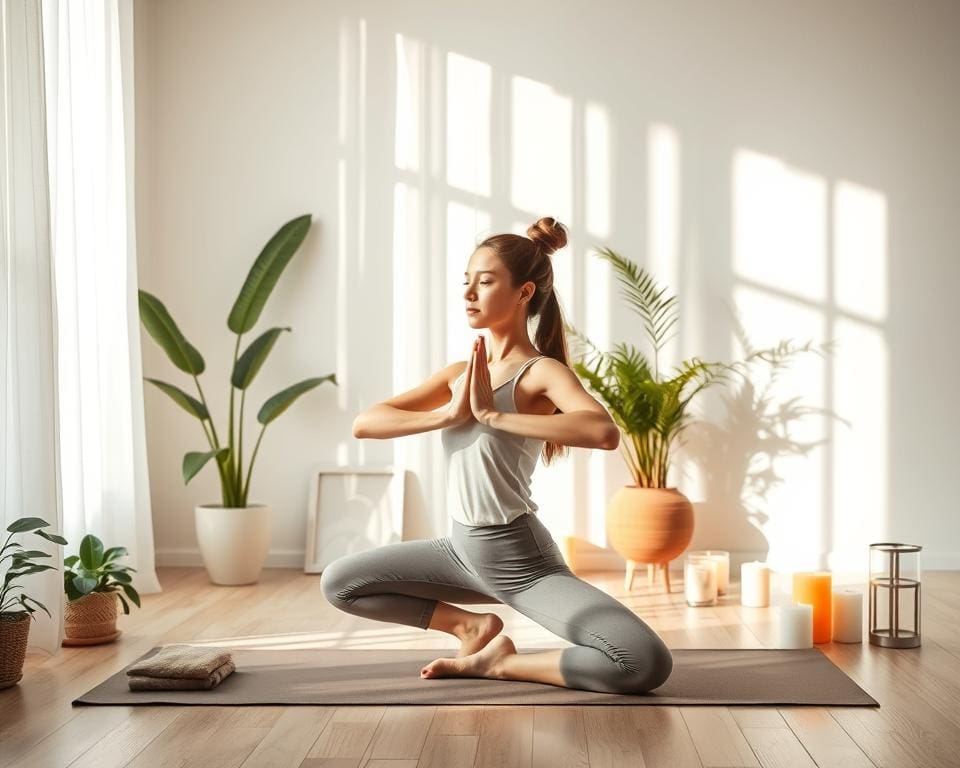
14 630
92 616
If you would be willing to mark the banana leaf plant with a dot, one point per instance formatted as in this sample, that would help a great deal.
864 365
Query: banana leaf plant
650 408
256 289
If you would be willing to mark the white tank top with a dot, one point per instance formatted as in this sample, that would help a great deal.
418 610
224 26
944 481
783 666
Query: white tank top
488 470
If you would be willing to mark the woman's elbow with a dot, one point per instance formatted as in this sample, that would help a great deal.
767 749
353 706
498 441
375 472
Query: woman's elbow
359 429
611 438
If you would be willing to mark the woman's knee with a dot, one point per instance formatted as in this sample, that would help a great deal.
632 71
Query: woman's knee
335 580
649 666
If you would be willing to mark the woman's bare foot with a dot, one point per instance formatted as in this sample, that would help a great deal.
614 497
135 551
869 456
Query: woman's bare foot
478 632
483 663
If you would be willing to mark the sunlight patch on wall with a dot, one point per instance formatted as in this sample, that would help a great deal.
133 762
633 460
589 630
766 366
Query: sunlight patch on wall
596 201
860 251
787 464
468 124
861 374
779 226
541 150
663 221
408 110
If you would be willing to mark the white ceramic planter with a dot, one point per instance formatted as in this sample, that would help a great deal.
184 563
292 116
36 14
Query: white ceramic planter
233 541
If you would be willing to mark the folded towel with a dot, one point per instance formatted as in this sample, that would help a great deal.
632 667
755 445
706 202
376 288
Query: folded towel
181 661
143 683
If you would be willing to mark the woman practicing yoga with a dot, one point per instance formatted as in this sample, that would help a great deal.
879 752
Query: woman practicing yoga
498 550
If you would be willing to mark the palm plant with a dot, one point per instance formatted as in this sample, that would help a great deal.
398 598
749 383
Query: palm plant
256 289
650 409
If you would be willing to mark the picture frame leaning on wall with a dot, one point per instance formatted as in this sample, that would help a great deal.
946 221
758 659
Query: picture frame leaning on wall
352 509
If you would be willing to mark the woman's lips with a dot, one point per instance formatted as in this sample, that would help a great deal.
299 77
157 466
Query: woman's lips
473 311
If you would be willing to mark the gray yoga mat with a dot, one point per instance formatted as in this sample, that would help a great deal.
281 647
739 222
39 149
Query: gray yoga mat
354 676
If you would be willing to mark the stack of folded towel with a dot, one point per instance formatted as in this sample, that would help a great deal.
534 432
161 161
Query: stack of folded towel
181 668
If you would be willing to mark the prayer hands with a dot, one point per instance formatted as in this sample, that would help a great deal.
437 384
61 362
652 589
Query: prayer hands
481 391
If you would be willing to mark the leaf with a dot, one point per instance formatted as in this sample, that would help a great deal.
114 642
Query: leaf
91 552
265 272
126 608
120 576
190 404
84 585
132 594
253 357
23 600
159 324
26 524
113 553
284 399
55 538
194 461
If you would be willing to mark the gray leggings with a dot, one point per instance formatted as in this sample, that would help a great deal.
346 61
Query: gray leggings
517 564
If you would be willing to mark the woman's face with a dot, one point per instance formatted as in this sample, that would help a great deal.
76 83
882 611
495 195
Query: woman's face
489 298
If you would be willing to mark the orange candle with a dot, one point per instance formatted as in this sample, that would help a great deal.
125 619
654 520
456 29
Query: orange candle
816 589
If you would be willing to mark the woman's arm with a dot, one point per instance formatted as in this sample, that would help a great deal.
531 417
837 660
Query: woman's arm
411 412
582 422
580 429
382 421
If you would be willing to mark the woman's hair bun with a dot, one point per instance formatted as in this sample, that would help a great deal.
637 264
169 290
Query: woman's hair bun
548 234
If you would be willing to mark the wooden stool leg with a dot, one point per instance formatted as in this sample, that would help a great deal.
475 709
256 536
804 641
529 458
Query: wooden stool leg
628 576
651 572
666 576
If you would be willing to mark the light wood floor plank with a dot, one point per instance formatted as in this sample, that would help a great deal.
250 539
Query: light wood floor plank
719 741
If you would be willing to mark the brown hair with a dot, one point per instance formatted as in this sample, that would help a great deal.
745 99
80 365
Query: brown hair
528 259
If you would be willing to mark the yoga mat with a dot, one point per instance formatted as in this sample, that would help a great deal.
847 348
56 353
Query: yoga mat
363 676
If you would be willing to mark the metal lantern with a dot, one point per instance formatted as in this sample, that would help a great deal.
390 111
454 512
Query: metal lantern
895 595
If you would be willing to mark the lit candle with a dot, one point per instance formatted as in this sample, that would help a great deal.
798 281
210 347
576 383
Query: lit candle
847 616
700 581
796 626
723 565
755 584
814 589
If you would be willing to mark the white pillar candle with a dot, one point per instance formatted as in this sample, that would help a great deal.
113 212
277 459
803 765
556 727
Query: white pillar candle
722 559
847 616
755 584
796 626
700 581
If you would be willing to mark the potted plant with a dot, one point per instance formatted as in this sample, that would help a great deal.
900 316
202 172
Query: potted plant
647 521
92 589
15 624
234 535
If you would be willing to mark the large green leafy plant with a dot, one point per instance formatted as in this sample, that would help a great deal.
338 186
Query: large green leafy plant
649 407
256 289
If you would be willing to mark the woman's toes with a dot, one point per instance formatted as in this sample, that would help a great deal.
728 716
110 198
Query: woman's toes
439 668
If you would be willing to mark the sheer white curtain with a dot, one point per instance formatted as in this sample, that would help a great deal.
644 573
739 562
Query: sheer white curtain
89 87
28 402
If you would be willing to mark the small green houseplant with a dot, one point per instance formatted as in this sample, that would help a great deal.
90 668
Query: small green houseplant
233 535
647 522
14 621
93 580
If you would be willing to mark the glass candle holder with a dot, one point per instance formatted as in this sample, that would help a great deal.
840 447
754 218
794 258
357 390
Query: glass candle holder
700 581
894 601
723 566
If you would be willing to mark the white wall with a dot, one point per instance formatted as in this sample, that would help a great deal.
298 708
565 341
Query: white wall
796 160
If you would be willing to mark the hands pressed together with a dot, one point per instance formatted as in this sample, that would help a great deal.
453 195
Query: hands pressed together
474 400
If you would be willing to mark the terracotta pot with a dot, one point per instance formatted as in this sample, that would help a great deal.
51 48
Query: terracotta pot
649 525
233 541
92 616
14 631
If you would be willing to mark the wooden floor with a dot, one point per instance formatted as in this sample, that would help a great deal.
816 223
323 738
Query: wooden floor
918 723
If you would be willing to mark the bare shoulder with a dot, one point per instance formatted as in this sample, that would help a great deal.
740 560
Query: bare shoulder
559 384
540 374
